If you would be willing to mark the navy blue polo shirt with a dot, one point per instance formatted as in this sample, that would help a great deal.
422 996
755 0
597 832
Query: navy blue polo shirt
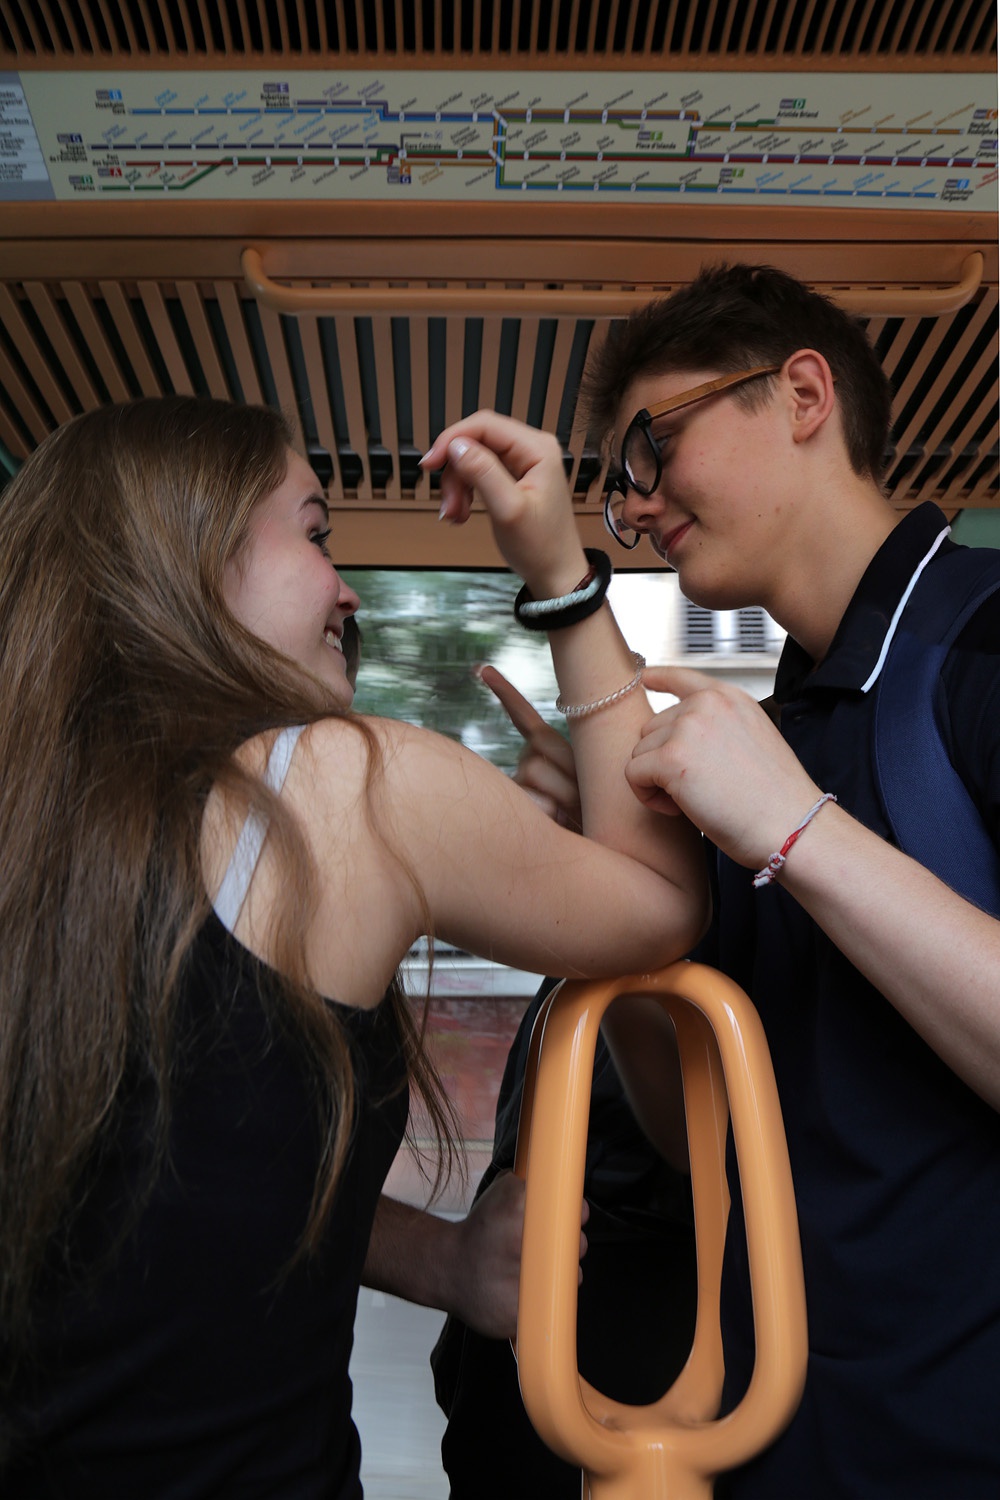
896 1163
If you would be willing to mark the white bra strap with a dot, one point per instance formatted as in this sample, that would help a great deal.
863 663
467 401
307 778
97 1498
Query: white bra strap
232 892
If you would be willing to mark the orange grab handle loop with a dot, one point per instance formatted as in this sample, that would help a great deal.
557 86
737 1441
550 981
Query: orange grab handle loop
673 1448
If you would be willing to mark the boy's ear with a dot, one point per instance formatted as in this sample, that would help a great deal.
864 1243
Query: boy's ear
812 397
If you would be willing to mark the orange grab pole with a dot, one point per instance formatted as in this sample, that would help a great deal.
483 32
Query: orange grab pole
673 1448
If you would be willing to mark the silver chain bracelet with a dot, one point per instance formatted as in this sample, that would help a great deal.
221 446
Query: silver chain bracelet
582 710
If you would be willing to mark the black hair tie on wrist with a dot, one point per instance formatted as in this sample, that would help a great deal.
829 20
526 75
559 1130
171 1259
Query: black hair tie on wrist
568 609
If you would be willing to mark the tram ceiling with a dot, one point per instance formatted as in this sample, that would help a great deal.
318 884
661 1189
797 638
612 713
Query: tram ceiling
335 249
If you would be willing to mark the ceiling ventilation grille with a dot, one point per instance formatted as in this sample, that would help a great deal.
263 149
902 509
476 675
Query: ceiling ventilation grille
366 394
851 34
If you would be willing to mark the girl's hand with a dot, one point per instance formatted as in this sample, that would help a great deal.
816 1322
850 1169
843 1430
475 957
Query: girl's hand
517 472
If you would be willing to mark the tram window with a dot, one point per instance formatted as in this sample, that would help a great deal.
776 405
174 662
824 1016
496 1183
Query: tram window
424 631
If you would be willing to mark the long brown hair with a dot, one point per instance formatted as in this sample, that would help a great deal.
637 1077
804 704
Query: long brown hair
126 687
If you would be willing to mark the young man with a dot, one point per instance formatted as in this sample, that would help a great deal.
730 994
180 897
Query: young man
750 419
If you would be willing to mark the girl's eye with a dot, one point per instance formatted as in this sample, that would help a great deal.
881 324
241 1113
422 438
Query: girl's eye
320 539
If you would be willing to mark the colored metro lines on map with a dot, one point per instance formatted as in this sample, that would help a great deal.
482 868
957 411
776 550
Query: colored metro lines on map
862 139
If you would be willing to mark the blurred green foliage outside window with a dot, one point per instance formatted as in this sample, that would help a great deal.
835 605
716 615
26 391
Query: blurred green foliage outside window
423 633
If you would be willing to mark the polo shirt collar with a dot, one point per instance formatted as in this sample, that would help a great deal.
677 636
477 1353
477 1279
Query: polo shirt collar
857 651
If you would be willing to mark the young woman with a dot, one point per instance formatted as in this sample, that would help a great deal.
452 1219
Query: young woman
211 871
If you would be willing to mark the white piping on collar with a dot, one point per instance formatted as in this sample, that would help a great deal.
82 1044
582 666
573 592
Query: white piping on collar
899 610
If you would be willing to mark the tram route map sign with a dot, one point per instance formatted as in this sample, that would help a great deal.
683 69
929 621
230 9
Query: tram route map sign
846 140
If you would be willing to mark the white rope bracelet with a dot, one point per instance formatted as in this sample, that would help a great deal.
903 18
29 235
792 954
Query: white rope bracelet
581 710
770 871
532 608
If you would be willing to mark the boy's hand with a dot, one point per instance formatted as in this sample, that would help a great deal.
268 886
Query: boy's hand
716 756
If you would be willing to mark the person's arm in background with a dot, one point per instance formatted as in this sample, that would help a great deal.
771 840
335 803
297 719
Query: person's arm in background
468 1267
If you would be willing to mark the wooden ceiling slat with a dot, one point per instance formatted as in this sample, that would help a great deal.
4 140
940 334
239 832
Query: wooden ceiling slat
905 333
97 342
967 435
245 24
357 434
319 393
874 329
939 434
21 335
955 27
690 12
125 326
952 375
489 361
735 27
558 371
231 309
788 15
983 493
592 30
146 10
101 7
40 295
914 28
843 15
125 13
898 351
454 362
638 29
886 24
765 30
524 369
710 19
578 435
420 386
27 19
10 434
190 298
222 17
23 401
180 25
595 490
380 38
493 48
281 373
385 376
151 295
279 14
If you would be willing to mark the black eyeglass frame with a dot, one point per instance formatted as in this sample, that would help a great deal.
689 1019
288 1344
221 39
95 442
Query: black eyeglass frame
623 479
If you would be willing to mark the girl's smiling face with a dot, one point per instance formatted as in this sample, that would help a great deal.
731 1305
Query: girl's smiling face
283 587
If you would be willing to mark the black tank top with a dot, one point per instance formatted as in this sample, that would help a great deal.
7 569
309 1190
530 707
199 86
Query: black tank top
192 1357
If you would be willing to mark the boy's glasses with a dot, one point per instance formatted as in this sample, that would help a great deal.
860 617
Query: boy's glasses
642 454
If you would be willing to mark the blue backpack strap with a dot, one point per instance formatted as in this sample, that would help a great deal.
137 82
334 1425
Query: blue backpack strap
927 805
